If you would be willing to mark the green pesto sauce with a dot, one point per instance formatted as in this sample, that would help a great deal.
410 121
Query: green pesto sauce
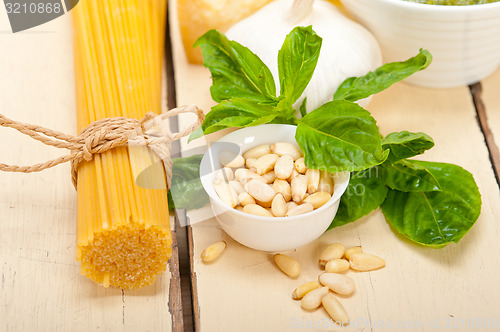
453 2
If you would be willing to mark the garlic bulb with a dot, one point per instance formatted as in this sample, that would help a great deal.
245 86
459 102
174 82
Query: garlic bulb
347 50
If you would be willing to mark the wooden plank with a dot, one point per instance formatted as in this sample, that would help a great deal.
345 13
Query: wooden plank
420 289
489 113
41 285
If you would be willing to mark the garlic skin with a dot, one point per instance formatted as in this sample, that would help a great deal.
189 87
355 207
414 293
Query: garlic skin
347 50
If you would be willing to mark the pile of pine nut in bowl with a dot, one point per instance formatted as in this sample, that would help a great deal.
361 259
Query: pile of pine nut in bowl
261 192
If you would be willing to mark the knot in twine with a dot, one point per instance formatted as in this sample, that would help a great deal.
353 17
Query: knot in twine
106 134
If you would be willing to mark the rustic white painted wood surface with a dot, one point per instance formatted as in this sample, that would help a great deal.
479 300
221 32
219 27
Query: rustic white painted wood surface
41 288
420 289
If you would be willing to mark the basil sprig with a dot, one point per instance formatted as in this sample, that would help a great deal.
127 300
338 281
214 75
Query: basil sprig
432 204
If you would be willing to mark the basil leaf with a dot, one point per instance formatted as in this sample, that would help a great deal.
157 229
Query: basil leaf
195 134
355 88
365 192
237 112
297 60
303 109
186 190
436 218
410 175
340 136
236 71
405 144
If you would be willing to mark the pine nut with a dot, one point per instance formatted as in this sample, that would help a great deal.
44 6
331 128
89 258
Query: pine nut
269 177
283 187
244 199
284 167
226 194
299 188
257 152
278 206
213 251
365 262
312 300
335 309
300 165
244 175
300 209
332 251
265 163
337 265
294 175
237 186
224 174
290 205
302 290
256 210
288 265
318 199
338 283
231 159
283 148
239 208
260 191
325 182
250 162
312 180
351 251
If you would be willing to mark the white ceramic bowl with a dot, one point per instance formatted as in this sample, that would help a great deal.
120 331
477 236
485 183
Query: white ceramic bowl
268 233
464 40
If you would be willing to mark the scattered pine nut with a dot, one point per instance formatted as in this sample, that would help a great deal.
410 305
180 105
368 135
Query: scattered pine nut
213 251
332 251
302 290
354 250
312 299
337 265
335 309
288 265
338 283
366 262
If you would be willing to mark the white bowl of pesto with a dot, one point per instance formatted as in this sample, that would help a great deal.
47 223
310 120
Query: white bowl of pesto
463 39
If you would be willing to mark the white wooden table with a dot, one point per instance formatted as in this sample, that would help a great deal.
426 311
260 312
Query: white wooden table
420 289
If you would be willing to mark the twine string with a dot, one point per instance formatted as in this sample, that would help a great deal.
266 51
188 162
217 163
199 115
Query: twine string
103 135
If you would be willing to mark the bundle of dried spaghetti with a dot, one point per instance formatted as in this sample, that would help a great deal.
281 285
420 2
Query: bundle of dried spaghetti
123 236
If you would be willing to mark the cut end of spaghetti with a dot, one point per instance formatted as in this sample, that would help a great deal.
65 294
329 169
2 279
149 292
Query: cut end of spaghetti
129 256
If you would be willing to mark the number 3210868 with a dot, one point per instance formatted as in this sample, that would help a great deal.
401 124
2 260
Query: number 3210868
33 8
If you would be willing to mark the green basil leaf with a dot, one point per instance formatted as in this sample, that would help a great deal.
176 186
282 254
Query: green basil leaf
355 88
436 218
303 109
236 71
365 192
405 144
340 136
195 134
410 175
237 112
297 60
186 190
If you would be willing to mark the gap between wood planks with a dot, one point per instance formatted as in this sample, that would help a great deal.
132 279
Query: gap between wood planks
182 288
482 118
